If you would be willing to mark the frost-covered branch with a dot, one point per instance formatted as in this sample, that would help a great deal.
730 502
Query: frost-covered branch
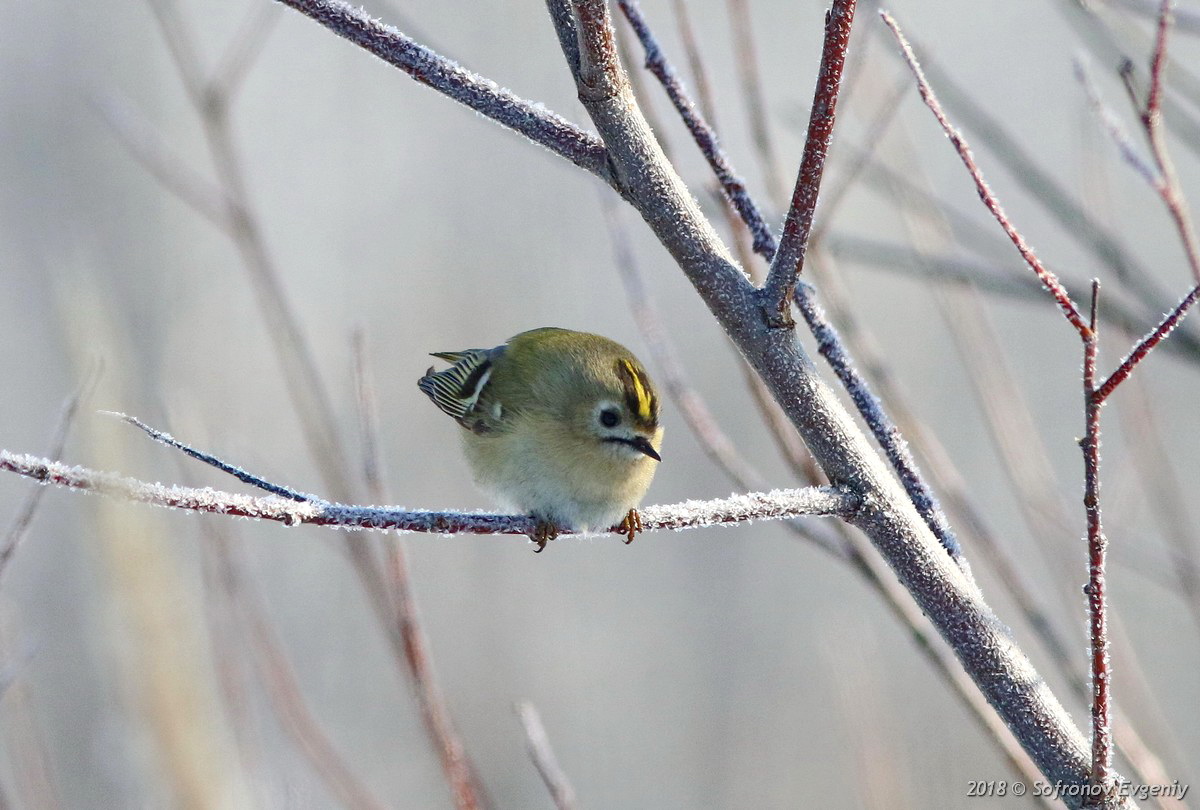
793 244
483 95
637 169
775 505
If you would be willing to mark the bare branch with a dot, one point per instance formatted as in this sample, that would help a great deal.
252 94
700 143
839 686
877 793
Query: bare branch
1078 220
1101 776
1048 279
1147 344
703 134
774 505
213 461
470 89
829 345
788 263
538 744
20 525
746 59
148 149
403 623
1169 188
239 58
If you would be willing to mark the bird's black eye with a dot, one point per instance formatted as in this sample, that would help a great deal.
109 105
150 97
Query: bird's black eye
610 418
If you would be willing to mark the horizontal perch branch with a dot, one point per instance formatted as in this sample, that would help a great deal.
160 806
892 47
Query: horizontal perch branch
774 505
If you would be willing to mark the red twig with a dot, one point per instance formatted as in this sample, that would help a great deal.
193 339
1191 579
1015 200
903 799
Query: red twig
1102 741
1168 183
1144 347
789 260
404 619
1048 278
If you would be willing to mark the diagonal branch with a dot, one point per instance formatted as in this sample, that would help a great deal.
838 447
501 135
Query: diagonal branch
704 135
1146 344
538 743
1049 279
470 89
789 261
831 346
888 518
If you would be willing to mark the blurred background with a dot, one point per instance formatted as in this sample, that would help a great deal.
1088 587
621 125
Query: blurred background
722 668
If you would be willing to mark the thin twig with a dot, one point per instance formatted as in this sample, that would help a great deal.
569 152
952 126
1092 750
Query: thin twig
788 262
24 517
211 460
1078 220
829 345
746 60
1101 773
1147 344
1048 279
1168 189
435 714
538 744
703 134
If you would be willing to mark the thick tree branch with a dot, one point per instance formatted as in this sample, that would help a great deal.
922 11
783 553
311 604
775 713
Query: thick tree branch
944 591
883 428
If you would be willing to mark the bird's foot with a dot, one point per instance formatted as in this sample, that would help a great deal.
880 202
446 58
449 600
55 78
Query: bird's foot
630 526
543 533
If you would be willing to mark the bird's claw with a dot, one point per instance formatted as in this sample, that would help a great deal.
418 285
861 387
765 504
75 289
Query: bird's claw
630 526
542 534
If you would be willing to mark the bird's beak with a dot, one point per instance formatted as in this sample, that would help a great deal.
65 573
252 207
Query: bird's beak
643 444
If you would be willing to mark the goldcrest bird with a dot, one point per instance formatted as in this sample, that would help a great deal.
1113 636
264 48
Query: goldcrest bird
558 424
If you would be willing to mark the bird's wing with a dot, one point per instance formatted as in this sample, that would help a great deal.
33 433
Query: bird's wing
456 390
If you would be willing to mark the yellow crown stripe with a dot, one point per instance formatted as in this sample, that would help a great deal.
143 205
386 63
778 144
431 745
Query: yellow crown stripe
640 395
